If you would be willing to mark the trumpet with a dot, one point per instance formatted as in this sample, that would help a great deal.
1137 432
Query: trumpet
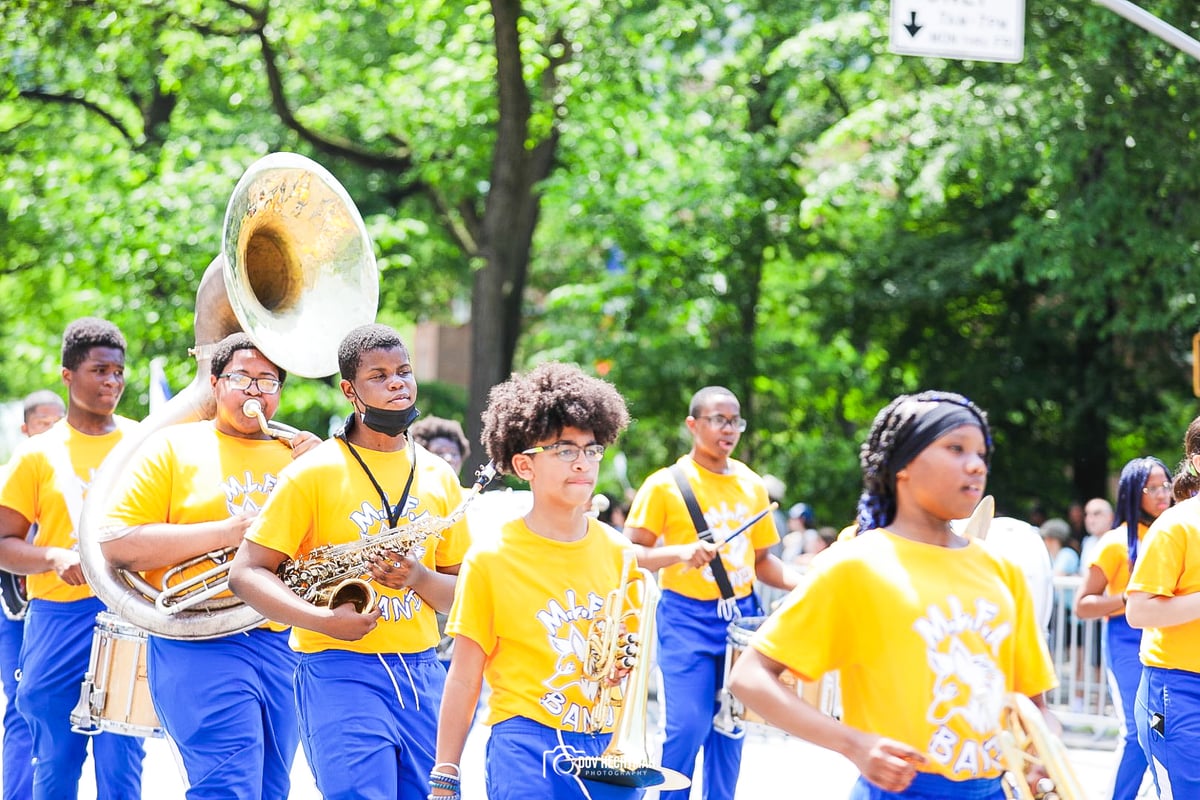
1026 741
340 573
612 649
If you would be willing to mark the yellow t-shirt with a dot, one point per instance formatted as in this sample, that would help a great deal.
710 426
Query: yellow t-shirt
193 473
528 602
1112 557
928 641
1168 564
726 501
46 482
325 497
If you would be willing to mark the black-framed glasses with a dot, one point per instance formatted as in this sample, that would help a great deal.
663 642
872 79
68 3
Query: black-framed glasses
1162 488
720 421
243 382
569 452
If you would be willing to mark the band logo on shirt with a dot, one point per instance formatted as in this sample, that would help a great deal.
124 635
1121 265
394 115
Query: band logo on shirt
722 521
969 687
566 624
371 521
247 494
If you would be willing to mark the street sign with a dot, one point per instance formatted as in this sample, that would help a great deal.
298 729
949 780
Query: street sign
970 30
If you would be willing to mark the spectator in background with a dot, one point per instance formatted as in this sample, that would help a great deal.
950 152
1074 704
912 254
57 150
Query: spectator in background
1075 518
1056 533
445 439
1098 519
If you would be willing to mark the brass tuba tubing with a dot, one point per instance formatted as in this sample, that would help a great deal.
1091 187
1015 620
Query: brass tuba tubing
296 272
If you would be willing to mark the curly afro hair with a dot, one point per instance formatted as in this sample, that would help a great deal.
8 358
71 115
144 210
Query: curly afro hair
877 505
85 333
426 430
542 403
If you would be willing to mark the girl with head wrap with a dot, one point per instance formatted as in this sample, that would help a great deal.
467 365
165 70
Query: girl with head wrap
929 631
1163 600
1143 493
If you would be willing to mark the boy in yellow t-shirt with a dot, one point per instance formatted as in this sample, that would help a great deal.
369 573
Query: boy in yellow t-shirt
42 409
368 684
929 631
703 592
192 490
528 594
45 483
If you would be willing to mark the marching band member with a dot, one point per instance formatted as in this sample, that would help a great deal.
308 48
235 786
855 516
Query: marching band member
703 594
1163 599
444 438
45 484
1143 493
193 489
527 595
368 684
929 630
41 410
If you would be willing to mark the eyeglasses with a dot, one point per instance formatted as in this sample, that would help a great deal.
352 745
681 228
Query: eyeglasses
1162 488
242 382
720 421
569 452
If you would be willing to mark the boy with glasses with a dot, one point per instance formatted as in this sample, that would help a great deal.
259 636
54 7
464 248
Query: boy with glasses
192 490
706 583
528 595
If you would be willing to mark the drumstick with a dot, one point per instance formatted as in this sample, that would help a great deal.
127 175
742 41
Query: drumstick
748 525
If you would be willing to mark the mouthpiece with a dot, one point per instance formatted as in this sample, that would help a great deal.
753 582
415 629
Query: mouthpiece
253 408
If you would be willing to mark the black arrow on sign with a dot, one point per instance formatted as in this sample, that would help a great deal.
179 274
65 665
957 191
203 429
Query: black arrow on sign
912 27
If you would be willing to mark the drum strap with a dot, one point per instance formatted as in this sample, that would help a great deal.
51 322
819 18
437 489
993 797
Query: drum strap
727 606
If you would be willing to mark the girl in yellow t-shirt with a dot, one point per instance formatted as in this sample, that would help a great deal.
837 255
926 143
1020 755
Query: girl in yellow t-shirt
929 630
527 594
1163 599
1143 493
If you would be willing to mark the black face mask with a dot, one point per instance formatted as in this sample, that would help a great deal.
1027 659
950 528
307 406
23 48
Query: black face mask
388 422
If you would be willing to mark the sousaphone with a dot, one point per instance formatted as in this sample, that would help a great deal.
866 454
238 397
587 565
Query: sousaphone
297 272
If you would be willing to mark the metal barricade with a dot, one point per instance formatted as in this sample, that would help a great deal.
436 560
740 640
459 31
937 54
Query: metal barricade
1082 698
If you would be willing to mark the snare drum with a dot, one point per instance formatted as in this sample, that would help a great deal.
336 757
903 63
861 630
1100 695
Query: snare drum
821 694
115 695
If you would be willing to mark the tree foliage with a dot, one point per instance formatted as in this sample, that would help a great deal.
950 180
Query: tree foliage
673 194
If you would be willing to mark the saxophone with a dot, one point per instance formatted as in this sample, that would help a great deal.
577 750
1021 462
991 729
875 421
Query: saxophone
340 573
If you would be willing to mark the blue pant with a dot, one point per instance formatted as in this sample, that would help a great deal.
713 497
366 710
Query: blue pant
691 660
927 786
54 660
18 741
228 705
526 759
1168 726
368 723
1124 669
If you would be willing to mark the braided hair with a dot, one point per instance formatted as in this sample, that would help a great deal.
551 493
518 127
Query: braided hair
892 444
1133 479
